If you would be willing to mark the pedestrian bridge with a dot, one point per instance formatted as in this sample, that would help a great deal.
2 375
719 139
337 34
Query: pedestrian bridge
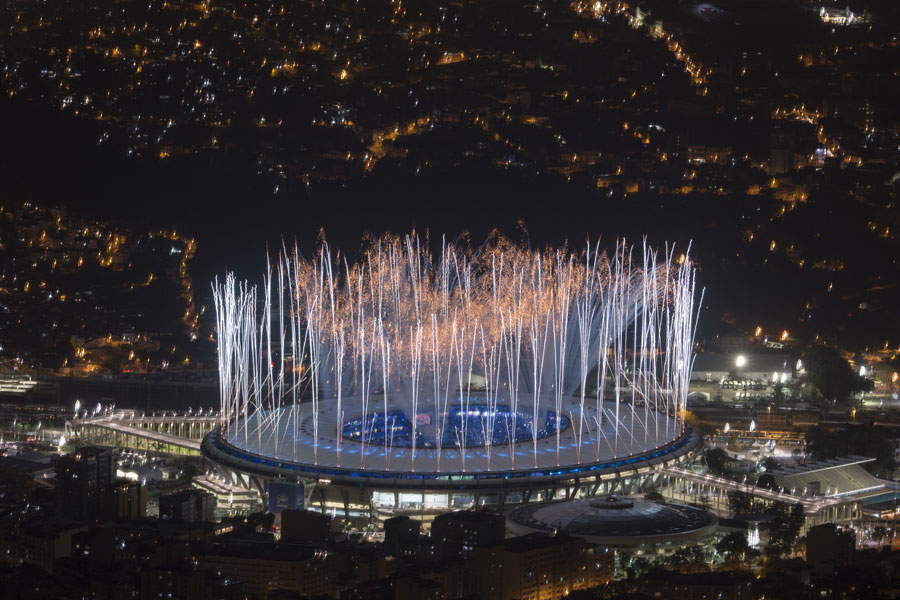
688 486
167 433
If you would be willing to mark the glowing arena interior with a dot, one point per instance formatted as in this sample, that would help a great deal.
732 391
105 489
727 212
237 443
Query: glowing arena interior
418 382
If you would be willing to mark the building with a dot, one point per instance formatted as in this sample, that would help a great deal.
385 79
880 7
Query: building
264 566
305 526
457 534
842 476
627 525
721 585
230 498
763 367
19 469
39 543
782 153
538 567
183 581
401 529
403 538
126 500
829 543
83 480
450 579
189 506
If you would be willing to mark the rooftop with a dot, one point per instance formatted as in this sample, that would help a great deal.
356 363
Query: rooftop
756 362
835 477
616 522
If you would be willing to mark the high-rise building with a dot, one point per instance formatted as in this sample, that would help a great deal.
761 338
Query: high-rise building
457 534
537 567
189 506
83 480
39 543
126 500
782 153
264 566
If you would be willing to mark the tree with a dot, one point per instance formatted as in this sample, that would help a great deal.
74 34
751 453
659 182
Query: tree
734 547
718 461
741 503
861 440
654 496
770 463
733 543
260 521
691 419
778 395
637 567
832 376
694 559
784 529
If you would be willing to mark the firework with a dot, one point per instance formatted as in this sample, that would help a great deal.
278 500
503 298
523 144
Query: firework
496 358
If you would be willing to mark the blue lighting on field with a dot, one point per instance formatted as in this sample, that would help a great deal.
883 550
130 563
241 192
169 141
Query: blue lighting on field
475 425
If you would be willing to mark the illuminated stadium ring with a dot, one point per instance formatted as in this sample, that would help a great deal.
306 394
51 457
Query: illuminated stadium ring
263 469
492 366
374 490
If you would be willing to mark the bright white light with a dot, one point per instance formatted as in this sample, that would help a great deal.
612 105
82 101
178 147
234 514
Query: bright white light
862 371
727 427
753 536
740 361
752 425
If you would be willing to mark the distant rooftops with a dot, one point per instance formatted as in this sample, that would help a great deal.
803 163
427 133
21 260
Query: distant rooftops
754 362
14 464
86 452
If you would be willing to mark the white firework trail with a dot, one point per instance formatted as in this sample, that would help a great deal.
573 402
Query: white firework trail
404 346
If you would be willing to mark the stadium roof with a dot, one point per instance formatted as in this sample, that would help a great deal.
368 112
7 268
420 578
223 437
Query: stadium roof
842 476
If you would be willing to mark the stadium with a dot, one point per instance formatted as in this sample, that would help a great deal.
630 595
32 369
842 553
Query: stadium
418 382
